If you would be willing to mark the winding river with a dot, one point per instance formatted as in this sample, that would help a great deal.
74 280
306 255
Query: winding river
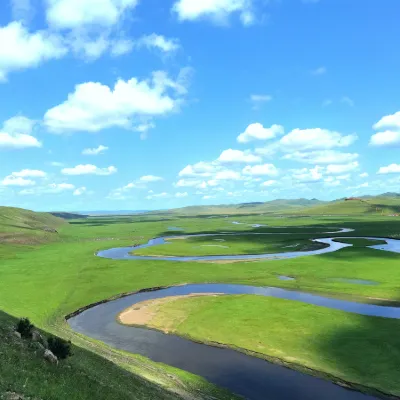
251 377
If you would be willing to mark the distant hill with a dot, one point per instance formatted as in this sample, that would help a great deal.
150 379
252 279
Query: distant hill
274 206
18 225
67 215
115 212
385 204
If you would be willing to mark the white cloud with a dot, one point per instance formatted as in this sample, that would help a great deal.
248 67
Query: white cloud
364 175
150 178
80 191
16 133
315 139
268 183
77 14
321 157
189 183
207 197
29 173
216 10
341 168
348 101
390 169
238 156
389 122
59 187
95 151
261 170
319 71
201 169
94 106
181 194
16 181
88 169
56 164
158 42
21 49
258 132
121 47
226 175
389 131
158 195
386 138
306 175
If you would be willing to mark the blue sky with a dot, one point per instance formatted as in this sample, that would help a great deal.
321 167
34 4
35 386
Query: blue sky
148 104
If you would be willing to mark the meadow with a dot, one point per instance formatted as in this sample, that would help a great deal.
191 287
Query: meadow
47 275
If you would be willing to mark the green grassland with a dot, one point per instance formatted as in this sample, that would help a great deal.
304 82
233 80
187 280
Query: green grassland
361 242
227 245
48 279
355 348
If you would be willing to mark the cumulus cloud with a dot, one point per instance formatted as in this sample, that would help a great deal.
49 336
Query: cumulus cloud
80 191
341 168
200 169
95 151
385 138
12 180
238 156
308 175
30 173
391 121
260 170
158 195
269 183
150 178
226 175
89 169
93 106
315 139
78 14
364 175
390 169
17 133
216 10
258 132
321 157
160 42
181 194
388 133
21 49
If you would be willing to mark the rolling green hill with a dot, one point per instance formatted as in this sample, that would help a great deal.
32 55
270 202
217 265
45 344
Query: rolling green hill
379 205
27 227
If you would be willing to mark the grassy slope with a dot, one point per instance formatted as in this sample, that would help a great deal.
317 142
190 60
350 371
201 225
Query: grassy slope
27 227
373 206
358 349
69 276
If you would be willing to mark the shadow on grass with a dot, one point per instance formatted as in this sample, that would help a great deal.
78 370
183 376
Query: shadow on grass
365 352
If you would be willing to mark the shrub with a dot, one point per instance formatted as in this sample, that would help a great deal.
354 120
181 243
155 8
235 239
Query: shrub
59 347
24 327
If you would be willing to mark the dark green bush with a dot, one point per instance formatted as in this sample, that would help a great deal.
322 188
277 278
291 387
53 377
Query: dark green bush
59 347
24 327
